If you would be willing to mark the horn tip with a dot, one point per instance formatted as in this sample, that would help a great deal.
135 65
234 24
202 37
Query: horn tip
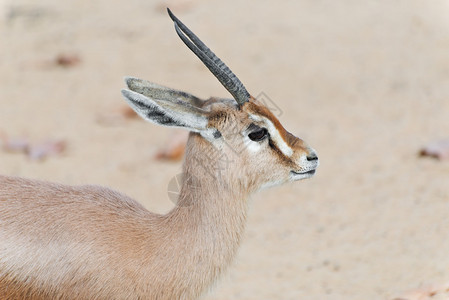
172 16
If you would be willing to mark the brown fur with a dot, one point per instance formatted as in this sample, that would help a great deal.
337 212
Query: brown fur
261 110
297 145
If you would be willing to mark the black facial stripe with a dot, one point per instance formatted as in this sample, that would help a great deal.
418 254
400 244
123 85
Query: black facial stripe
217 134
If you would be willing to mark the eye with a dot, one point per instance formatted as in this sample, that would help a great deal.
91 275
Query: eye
258 134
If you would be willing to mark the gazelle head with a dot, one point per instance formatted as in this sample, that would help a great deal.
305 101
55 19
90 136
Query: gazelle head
243 130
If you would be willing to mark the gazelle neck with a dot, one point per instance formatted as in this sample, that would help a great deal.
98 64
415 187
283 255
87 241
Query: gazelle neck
212 209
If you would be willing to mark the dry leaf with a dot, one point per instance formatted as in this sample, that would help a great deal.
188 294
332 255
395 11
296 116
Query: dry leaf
33 151
67 60
45 149
438 149
116 116
174 150
127 112
427 293
18 144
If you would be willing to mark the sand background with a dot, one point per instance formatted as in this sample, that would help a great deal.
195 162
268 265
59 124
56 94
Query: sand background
366 83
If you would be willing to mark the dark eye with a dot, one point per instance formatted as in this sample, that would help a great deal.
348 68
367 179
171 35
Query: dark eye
258 135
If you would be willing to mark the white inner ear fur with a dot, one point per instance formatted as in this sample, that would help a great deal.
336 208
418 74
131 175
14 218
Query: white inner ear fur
184 115
274 135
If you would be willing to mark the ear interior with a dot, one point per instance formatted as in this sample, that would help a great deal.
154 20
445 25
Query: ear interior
166 112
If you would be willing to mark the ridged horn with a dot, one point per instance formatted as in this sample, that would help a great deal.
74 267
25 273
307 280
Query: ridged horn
227 78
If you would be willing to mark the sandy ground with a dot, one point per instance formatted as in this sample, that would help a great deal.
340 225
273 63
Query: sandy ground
366 83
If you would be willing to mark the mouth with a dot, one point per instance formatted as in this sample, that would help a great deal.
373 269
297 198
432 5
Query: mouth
302 175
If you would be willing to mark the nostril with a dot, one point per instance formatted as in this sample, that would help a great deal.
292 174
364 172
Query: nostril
312 157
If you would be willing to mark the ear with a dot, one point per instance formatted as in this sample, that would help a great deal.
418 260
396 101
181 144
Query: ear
156 91
167 112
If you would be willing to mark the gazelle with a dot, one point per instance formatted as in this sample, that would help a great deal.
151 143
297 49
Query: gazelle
90 242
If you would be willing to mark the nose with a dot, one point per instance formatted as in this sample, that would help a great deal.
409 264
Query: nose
312 156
